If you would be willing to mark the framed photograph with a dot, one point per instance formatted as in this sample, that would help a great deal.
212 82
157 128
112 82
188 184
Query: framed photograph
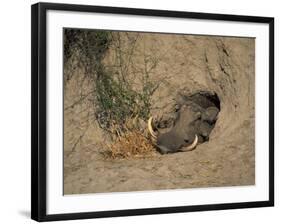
139 111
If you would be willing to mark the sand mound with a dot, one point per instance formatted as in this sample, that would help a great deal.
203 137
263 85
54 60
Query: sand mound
186 64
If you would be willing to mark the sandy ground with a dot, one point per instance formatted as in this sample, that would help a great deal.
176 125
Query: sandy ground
186 64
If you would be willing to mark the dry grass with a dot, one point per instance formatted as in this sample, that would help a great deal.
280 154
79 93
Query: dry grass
133 144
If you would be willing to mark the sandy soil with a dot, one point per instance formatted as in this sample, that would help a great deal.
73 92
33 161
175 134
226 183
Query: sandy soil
186 64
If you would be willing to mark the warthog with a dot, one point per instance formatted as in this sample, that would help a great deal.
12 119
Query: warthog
195 118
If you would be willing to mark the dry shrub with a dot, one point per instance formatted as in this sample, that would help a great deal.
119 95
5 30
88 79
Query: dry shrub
133 144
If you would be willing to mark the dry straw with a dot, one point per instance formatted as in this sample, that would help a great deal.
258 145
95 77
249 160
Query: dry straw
133 144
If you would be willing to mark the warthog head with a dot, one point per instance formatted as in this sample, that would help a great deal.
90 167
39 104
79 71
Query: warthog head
195 118
182 134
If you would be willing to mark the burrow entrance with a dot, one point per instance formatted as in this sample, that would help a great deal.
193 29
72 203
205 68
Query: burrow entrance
194 114
209 106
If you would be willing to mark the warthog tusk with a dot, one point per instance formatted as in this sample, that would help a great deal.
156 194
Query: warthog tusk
193 145
150 129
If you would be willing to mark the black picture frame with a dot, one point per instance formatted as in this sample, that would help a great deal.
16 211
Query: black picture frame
39 107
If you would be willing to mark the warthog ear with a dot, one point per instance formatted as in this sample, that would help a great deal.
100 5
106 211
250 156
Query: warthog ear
210 115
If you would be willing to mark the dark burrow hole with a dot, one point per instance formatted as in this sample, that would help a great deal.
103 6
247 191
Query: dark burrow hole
194 115
205 99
